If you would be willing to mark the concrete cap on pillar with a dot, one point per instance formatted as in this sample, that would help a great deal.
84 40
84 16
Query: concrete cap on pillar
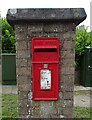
75 15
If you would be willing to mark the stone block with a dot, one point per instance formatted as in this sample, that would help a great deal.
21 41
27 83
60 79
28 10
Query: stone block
68 112
24 107
35 109
63 15
25 87
68 45
35 27
68 103
52 34
26 71
23 54
69 62
48 108
67 88
21 62
29 46
21 28
29 62
69 27
67 70
21 37
65 54
69 35
21 33
37 34
22 80
67 79
22 95
53 27
68 95
22 45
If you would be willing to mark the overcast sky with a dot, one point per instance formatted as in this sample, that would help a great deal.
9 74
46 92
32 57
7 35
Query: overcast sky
6 4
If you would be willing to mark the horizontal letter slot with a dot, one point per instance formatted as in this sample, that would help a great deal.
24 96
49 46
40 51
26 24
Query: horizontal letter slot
45 50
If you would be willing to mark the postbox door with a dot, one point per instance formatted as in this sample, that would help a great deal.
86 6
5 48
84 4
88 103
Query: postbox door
45 81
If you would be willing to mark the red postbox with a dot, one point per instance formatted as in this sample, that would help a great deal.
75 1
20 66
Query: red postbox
45 68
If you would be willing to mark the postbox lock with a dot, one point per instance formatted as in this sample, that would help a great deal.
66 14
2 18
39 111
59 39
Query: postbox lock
45 65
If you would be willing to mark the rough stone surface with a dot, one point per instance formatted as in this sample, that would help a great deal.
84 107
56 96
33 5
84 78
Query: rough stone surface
59 23
76 15
47 109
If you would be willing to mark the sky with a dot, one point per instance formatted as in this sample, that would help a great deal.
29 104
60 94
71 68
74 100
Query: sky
6 4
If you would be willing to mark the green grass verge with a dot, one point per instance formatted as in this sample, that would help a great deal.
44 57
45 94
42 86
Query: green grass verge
82 112
10 108
81 92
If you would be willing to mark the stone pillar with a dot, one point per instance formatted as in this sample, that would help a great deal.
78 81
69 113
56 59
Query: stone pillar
59 23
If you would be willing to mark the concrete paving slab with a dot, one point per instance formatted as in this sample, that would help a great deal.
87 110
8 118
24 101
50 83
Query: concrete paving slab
14 90
11 89
83 97
82 100
6 89
76 88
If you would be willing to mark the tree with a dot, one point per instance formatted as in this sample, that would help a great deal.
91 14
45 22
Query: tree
82 40
8 37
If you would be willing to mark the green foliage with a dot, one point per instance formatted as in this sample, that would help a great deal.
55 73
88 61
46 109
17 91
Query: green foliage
82 40
8 37
91 39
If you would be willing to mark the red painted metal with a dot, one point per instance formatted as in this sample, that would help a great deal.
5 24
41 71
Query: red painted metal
45 50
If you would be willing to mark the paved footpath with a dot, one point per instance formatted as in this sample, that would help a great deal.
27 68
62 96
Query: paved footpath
83 99
11 89
81 94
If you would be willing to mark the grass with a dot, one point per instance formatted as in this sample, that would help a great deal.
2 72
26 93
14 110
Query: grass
10 105
82 112
81 92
